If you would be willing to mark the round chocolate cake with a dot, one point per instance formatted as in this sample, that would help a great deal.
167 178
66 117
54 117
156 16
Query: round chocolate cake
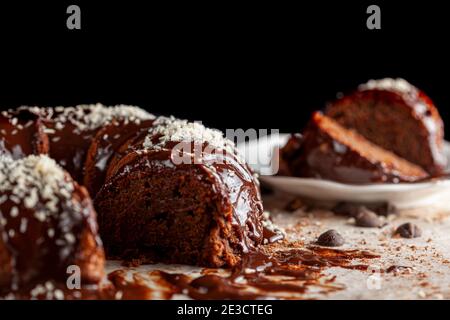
166 190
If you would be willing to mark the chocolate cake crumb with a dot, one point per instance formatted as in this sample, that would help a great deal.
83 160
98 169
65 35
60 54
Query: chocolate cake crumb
399 269
408 230
330 238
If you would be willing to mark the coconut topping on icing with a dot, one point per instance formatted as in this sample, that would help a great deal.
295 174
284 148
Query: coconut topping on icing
92 116
398 85
176 130
33 178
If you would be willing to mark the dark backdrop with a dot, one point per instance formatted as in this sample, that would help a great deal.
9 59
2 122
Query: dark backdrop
228 64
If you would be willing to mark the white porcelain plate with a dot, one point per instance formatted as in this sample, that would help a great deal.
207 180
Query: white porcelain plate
401 195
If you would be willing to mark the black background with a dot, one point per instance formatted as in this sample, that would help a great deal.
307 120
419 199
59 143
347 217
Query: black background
231 65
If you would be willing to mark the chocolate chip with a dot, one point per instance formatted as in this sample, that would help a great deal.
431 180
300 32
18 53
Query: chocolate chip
367 219
408 230
330 238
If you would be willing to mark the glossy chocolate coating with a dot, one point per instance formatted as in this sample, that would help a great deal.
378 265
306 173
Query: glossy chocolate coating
103 147
45 228
22 134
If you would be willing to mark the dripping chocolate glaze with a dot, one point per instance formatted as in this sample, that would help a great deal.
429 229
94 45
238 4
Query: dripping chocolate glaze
253 278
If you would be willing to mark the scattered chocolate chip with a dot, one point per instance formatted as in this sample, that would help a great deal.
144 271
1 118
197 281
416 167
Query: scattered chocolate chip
408 230
330 238
367 219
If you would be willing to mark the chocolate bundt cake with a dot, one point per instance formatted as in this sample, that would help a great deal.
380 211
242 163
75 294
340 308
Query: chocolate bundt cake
166 190
179 193
21 134
47 223
329 151
396 116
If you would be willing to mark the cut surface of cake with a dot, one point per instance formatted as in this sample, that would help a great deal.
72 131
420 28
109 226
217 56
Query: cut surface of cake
330 151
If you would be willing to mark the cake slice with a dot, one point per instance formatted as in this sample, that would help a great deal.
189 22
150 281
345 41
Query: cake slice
396 116
330 151
179 193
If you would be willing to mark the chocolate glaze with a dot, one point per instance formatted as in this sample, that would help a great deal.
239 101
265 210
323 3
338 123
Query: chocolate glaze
136 289
104 145
285 273
54 290
300 269
44 232
22 134
71 130
68 141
